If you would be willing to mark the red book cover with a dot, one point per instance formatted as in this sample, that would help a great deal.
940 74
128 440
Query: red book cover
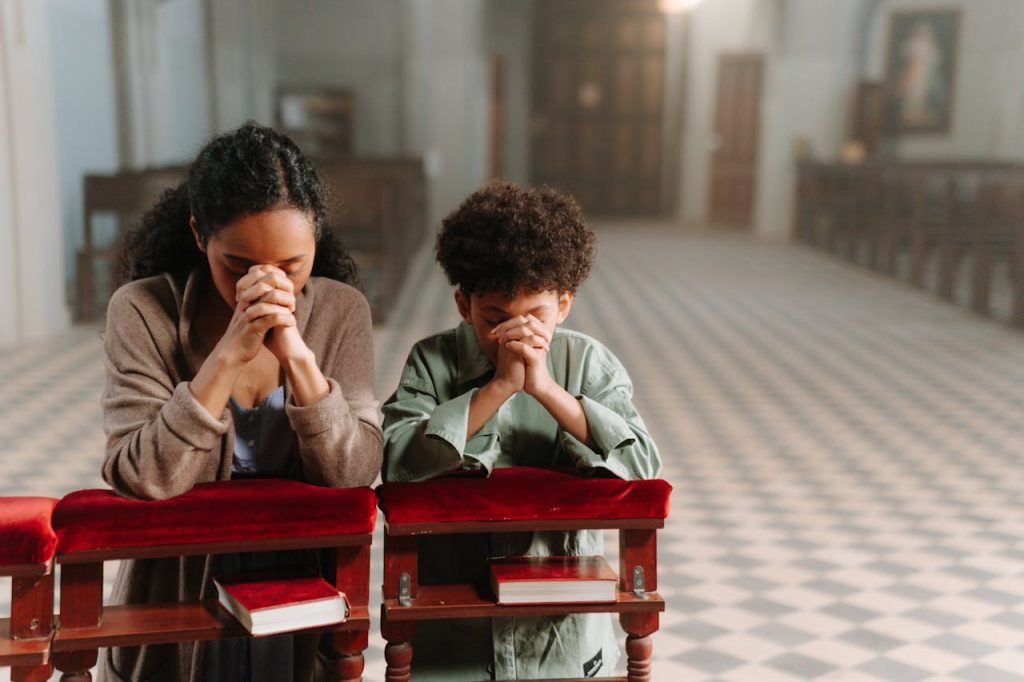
545 580
268 605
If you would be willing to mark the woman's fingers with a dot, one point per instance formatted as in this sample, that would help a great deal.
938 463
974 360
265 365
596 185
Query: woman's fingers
276 278
262 309
262 292
249 278
273 320
271 274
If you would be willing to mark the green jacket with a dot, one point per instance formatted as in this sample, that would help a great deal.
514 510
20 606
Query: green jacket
425 436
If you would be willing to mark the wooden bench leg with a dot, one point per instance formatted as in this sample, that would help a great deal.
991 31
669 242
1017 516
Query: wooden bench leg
350 668
638 658
639 648
76 677
399 659
32 618
398 652
347 657
81 606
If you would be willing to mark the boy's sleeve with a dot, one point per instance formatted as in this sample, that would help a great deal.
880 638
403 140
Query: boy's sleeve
425 434
622 445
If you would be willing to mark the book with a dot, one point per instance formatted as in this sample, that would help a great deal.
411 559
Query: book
267 605
553 580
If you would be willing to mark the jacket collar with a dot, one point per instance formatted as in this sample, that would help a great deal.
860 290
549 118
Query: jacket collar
472 363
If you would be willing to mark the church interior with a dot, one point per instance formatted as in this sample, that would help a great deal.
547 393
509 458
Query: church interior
810 258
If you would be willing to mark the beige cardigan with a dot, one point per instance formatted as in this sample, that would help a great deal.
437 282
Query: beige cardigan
161 441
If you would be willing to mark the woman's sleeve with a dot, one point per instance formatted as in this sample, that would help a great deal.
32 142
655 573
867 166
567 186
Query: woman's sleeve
340 436
160 440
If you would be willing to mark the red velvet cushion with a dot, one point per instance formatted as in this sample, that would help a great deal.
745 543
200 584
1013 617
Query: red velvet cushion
26 536
224 511
523 494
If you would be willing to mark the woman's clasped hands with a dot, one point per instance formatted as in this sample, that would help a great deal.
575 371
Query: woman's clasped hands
264 315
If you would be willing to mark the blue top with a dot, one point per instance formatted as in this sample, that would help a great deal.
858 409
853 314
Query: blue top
263 436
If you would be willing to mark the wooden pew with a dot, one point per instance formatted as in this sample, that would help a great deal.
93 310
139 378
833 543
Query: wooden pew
94 526
27 544
378 207
944 211
126 195
516 499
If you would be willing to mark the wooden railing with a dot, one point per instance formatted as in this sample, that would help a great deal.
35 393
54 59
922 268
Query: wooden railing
912 219
87 528
90 527
518 499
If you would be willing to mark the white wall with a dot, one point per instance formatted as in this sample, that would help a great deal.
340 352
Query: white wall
242 51
716 27
161 70
507 30
31 244
85 111
810 61
446 96
807 96
348 43
988 107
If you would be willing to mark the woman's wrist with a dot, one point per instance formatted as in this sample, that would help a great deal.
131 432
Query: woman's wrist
302 361
309 386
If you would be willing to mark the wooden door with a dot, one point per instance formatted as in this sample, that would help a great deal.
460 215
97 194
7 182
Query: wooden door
598 99
735 140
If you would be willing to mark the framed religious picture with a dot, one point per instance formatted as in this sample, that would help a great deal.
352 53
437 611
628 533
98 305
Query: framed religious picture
920 71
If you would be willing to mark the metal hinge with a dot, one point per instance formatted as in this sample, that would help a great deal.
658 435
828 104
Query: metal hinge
404 590
639 583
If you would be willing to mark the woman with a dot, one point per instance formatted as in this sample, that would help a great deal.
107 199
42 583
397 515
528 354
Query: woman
238 349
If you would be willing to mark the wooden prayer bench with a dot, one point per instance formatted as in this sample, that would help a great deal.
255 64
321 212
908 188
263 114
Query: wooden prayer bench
93 526
517 499
378 207
125 195
935 212
27 544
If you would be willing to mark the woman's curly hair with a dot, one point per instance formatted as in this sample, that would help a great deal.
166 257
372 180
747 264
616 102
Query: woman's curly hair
506 238
244 171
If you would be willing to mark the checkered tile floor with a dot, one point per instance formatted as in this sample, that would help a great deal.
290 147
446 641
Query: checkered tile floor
846 452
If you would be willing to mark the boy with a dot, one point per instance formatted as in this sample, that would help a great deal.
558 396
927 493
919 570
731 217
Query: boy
509 387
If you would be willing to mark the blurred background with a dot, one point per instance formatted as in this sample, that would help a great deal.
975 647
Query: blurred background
690 112
811 242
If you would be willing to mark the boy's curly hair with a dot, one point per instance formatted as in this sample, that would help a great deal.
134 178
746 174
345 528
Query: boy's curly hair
506 238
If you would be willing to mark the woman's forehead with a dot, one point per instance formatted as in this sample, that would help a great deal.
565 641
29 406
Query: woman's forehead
268 236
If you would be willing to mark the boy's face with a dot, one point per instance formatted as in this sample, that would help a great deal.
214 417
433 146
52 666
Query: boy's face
487 310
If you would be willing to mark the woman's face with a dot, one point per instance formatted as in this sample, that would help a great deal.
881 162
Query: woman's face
283 237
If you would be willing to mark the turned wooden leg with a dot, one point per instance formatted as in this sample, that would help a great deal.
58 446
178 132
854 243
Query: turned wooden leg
638 658
350 668
399 659
75 665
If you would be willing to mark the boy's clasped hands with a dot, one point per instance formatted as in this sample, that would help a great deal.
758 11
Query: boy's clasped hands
522 364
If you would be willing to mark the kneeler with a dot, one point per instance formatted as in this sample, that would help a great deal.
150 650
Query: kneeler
27 544
517 499
94 526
